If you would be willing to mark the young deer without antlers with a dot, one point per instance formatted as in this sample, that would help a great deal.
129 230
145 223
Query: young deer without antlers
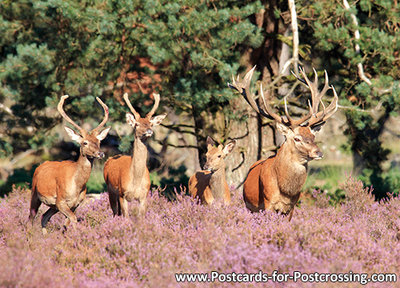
210 184
127 177
61 185
275 183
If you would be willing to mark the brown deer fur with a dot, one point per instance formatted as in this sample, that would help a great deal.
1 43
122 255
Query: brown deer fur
127 177
210 184
275 183
61 185
281 177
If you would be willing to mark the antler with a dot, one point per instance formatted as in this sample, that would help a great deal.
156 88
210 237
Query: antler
105 108
243 87
135 114
155 106
152 111
313 117
319 118
66 117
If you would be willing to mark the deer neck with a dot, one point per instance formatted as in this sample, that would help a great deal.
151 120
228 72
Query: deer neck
139 158
217 183
291 169
83 170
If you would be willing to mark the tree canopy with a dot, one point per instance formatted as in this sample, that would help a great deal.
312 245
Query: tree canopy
187 51
94 48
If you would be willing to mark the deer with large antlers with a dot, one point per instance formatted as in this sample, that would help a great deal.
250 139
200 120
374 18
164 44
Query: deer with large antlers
127 177
210 184
61 185
275 183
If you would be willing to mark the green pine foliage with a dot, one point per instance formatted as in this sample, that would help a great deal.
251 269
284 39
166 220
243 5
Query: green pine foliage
80 48
331 32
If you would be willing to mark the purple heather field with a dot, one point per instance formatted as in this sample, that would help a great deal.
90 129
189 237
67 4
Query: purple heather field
359 235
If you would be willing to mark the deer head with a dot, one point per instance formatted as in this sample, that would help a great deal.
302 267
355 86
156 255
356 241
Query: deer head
303 139
144 126
299 133
216 154
89 141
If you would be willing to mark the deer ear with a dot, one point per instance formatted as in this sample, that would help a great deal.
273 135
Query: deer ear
210 141
130 119
229 147
283 129
158 119
74 136
103 134
315 129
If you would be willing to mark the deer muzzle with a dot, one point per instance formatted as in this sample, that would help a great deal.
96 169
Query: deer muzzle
208 168
100 155
316 154
148 133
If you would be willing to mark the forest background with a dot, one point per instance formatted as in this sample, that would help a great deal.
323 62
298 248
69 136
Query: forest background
187 51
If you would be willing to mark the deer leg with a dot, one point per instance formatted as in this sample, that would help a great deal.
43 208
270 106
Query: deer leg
67 212
119 208
142 206
68 221
46 217
291 214
113 198
123 203
35 204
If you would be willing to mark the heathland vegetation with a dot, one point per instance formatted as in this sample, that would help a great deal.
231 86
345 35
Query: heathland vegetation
187 51
360 235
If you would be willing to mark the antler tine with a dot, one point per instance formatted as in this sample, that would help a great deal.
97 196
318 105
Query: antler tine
294 123
326 86
243 87
155 106
316 117
287 112
322 116
315 77
270 114
135 114
313 86
332 108
297 77
105 119
66 117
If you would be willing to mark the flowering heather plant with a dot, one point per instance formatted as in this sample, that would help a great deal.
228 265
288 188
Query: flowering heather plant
182 236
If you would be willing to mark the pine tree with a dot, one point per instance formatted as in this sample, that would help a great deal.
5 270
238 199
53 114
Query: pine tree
89 48
367 78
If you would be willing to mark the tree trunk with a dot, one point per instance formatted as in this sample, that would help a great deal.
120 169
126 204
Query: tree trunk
255 139
200 138
247 150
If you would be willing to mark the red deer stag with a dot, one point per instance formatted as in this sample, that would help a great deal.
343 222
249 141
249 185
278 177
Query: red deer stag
210 184
275 183
127 177
61 185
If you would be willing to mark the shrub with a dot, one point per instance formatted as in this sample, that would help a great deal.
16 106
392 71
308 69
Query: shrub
183 236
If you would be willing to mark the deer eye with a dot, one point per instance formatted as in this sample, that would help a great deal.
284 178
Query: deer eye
297 139
85 143
219 156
